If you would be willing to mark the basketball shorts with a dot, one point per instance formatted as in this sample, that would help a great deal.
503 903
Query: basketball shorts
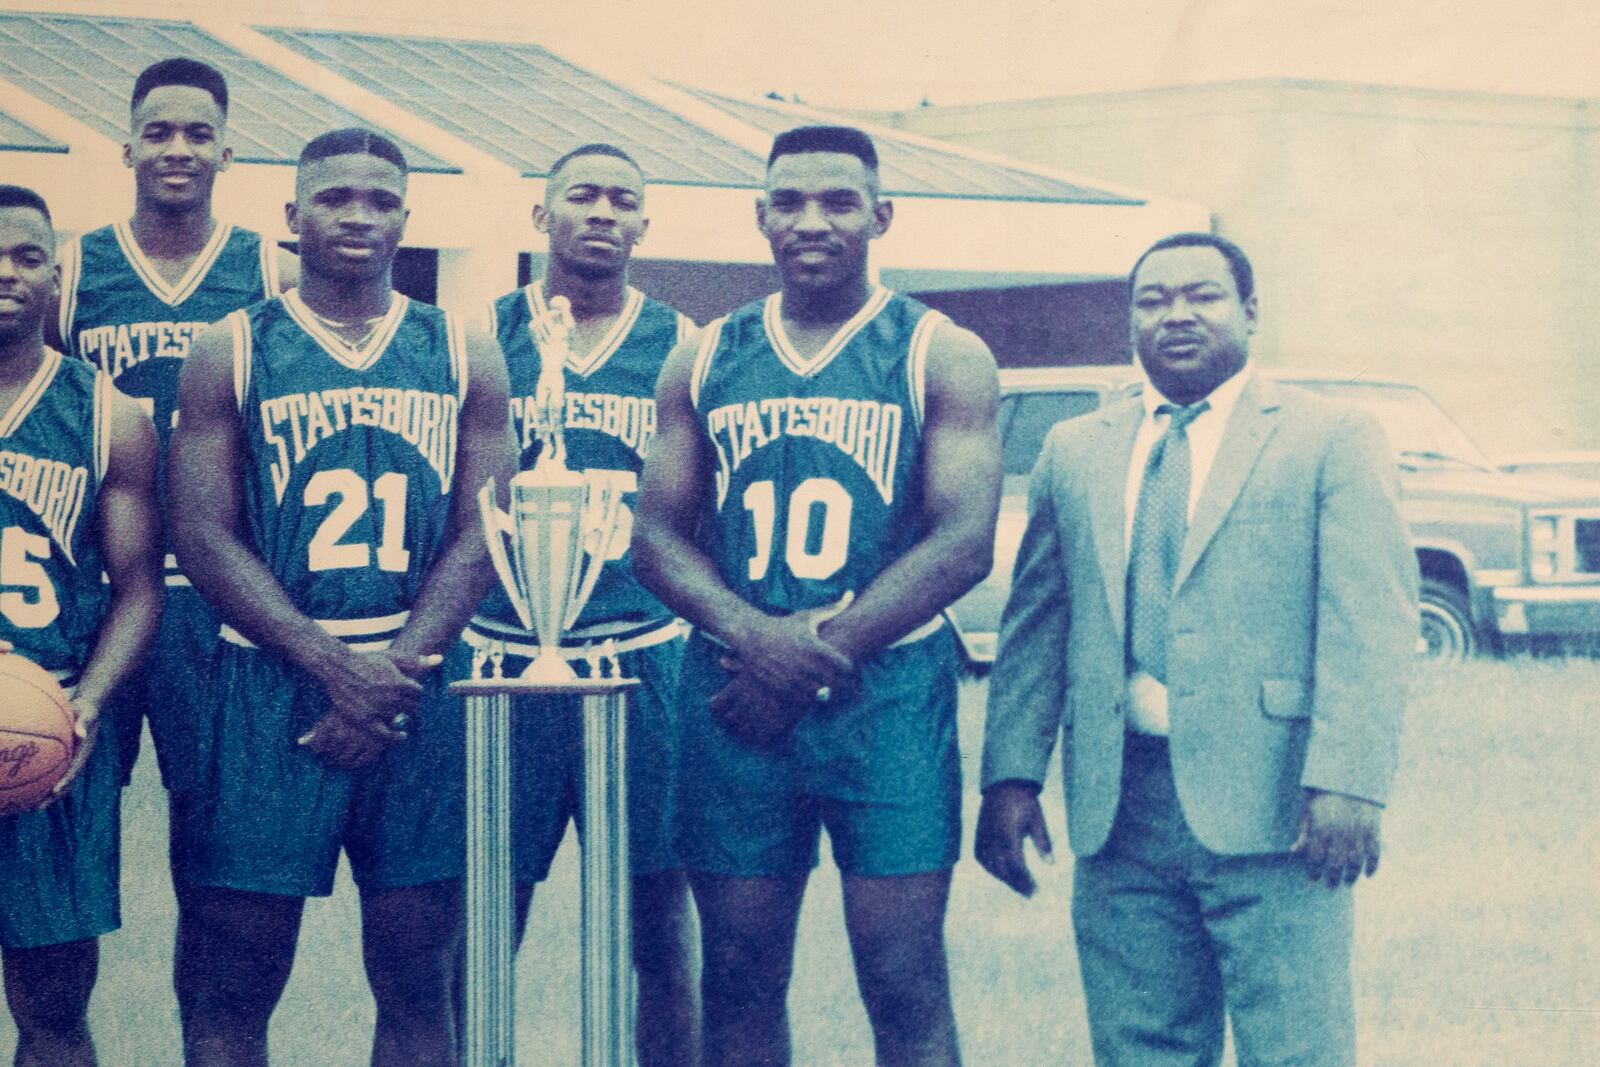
168 687
59 867
877 767
262 814
547 763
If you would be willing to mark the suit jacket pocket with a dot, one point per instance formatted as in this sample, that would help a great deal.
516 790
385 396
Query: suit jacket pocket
1285 698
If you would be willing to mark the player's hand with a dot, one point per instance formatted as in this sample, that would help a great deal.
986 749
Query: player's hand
785 654
87 730
758 716
378 693
1338 837
1009 814
342 746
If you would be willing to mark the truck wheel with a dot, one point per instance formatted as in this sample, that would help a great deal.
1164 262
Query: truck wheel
1447 635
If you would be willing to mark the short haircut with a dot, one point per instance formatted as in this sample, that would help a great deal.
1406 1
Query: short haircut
1244 278
353 141
181 71
845 139
22 196
594 148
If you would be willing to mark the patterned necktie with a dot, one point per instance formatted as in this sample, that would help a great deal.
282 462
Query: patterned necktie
1159 523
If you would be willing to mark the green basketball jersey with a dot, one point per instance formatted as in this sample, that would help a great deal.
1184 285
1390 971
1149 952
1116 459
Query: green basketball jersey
118 313
55 442
818 461
610 421
350 456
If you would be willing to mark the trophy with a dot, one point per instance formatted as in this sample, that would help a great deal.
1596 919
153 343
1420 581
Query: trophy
563 526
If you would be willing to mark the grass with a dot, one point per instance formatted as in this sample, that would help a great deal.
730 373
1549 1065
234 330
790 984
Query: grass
1478 943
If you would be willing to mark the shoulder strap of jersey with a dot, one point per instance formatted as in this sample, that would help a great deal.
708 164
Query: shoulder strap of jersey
104 393
917 360
686 327
270 280
71 260
456 339
709 337
239 325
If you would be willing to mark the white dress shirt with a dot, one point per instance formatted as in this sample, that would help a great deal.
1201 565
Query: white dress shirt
1147 698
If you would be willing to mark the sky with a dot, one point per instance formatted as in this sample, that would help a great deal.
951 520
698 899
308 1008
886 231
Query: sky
895 53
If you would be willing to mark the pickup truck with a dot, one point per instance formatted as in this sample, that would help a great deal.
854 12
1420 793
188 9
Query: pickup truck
1506 559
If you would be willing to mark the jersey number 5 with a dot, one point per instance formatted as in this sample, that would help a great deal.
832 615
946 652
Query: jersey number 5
810 498
328 550
35 605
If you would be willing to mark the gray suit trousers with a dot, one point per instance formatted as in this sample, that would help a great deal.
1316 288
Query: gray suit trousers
1172 938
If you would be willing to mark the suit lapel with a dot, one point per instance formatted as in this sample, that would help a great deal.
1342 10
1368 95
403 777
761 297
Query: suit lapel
1108 508
1247 431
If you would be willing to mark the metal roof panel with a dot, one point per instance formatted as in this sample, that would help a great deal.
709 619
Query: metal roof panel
85 66
909 167
18 136
523 104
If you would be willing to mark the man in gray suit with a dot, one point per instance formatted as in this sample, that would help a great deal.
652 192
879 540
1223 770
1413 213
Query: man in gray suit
1215 608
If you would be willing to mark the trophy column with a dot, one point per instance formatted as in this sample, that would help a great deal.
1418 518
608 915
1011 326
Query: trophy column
607 971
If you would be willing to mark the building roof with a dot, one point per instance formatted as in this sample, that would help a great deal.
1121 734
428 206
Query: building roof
18 136
85 66
909 166
524 105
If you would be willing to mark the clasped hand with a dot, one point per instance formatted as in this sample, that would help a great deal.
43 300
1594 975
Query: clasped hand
781 670
372 701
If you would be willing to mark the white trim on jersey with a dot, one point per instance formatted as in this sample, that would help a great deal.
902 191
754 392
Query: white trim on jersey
103 390
491 320
171 293
709 337
239 323
917 361
456 337
29 397
360 635
336 346
606 347
71 260
772 319
270 279
686 327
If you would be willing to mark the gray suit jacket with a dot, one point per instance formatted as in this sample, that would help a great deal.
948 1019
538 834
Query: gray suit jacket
1293 621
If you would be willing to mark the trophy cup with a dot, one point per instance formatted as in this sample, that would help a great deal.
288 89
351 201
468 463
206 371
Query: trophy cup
563 526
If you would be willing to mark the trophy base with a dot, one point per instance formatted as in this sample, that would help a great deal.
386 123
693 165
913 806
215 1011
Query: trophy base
549 667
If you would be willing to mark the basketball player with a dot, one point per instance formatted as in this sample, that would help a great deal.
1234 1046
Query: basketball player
133 296
322 490
593 215
77 498
824 481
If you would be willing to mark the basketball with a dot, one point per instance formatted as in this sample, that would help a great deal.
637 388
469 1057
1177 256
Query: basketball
36 733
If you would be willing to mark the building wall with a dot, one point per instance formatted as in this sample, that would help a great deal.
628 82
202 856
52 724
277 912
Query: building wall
1442 238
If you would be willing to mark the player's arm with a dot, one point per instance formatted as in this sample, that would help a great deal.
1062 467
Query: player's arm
127 527
784 652
461 574
206 521
961 498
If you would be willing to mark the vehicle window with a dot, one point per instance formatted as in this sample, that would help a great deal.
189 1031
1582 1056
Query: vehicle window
1025 419
1419 431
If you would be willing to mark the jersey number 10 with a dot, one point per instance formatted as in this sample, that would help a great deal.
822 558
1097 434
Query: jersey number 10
811 498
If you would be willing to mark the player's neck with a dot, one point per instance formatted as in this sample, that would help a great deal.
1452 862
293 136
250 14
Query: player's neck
591 298
19 360
346 300
807 307
172 235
